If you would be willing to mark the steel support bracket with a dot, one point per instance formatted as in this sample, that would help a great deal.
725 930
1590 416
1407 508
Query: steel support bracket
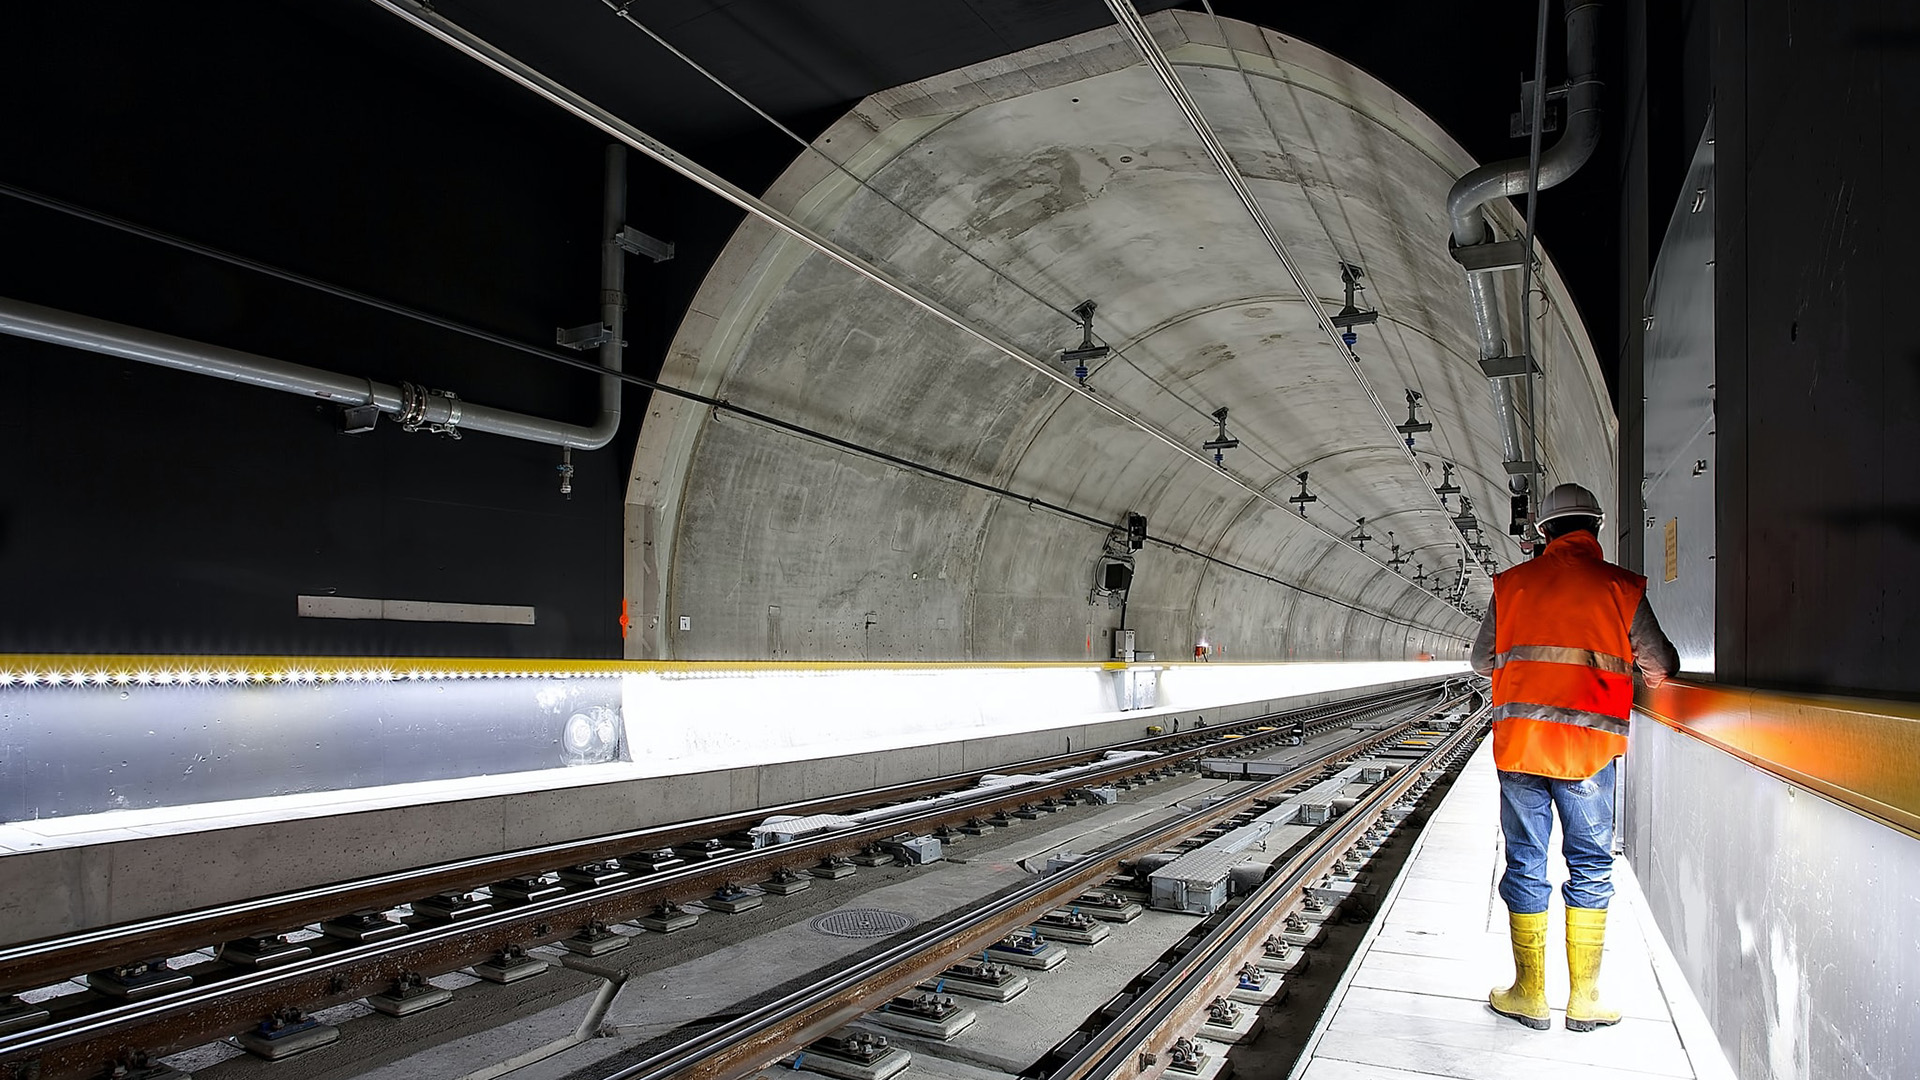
1509 367
358 419
1521 468
635 242
590 336
1490 257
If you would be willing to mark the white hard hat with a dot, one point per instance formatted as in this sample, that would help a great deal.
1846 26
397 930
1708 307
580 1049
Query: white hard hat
1569 500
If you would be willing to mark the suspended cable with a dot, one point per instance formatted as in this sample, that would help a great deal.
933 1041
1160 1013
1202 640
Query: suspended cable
281 273
422 16
1136 29
1306 194
1285 471
623 10
653 385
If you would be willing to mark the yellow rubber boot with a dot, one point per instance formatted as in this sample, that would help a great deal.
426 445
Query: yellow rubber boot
1526 999
1586 932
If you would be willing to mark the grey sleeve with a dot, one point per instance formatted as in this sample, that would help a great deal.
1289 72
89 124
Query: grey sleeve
1653 654
1482 658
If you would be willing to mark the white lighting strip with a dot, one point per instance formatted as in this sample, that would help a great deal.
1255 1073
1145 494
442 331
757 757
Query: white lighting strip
314 676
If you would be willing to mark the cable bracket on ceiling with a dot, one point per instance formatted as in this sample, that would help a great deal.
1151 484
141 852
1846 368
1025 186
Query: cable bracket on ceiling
1221 442
1088 349
634 242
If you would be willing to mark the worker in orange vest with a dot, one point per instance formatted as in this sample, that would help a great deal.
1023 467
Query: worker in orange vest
1561 639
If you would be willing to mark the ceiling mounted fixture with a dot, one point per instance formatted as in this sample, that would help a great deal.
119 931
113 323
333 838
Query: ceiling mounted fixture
1447 486
1414 425
1398 560
1301 500
1464 520
1088 349
1351 315
1221 442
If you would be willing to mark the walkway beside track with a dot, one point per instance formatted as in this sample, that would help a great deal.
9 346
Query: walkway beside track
1413 1004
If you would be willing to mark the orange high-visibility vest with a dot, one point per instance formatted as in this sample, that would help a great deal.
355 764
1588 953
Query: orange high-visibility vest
1563 660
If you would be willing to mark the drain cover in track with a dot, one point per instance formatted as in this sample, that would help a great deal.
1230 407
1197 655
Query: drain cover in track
861 922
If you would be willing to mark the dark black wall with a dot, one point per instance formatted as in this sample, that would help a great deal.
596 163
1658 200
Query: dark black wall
1818 352
152 510
1667 93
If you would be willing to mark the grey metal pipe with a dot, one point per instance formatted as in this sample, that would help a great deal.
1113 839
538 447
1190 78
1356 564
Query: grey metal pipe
1505 178
1559 161
613 293
75 331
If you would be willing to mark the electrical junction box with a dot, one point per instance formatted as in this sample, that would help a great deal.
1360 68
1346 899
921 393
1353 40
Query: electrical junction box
917 851
1123 645
1314 813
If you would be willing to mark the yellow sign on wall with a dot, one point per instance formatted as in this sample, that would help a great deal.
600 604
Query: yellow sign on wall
1673 548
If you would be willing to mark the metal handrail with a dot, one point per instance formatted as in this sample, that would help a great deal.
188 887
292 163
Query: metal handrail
1861 753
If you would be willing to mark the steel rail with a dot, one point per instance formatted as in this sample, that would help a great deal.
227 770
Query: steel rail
422 16
752 1039
1179 994
40 963
69 1046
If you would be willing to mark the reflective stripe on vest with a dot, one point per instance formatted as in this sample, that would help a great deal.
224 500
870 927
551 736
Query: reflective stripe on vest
1558 654
1563 673
1559 714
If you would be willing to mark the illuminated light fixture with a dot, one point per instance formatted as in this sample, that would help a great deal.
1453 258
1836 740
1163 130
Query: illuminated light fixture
82 675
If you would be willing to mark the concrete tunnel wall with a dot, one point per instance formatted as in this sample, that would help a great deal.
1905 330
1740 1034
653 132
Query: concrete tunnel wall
1068 169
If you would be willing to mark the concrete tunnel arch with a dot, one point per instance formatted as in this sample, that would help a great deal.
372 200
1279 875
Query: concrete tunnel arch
1065 172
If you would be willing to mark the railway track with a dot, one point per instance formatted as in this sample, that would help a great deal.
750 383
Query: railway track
769 1032
81 1033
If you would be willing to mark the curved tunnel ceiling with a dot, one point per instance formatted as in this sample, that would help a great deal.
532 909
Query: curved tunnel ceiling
1012 191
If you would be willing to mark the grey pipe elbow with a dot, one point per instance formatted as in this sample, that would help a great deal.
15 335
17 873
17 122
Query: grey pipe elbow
1566 156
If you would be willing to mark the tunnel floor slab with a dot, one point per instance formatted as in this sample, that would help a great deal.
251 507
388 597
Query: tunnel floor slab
1413 1006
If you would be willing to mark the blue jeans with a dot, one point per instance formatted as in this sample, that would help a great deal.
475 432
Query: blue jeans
1527 803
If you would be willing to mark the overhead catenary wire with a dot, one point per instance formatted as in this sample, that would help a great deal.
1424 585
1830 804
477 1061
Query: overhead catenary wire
423 17
1136 29
292 277
623 9
717 404
1306 195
